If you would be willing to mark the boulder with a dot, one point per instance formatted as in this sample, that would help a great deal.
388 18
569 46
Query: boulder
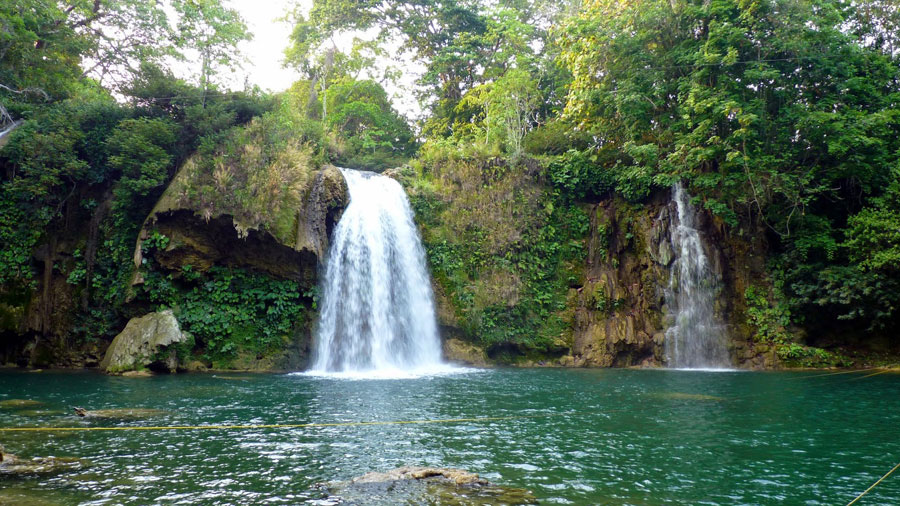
146 342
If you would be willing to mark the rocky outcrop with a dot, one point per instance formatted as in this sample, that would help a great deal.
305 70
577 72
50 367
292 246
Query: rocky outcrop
321 211
618 318
146 343
464 352
198 239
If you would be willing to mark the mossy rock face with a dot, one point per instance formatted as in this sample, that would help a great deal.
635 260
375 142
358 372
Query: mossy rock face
291 249
457 350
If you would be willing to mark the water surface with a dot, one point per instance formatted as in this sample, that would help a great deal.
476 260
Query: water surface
615 437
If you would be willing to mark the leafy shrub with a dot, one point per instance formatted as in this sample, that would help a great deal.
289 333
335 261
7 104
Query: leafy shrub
230 310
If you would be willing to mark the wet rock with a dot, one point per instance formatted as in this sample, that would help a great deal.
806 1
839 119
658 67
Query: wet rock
328 197
457 350
424 485
196 366
119 413
137 374
12 465
144 342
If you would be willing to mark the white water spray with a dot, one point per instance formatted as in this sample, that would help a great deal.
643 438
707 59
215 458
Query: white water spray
377 311
696 339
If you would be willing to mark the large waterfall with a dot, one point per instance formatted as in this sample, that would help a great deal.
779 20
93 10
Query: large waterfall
377 310
696 339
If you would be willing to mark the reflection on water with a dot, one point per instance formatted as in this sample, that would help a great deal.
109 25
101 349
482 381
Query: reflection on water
625 437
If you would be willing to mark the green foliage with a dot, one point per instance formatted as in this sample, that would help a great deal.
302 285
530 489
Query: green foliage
770 319
375 137
139 150
576 176
810 356
555 137
230 310
873 234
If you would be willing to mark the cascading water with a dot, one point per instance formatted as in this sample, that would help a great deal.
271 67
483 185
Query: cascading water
377 310
696 339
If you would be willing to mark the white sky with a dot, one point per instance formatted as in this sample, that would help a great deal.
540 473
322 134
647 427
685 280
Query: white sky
270 38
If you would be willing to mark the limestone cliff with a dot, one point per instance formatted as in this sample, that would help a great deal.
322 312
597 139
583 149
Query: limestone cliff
219 233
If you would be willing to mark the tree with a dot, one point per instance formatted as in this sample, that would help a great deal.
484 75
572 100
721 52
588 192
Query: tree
463 43
362 115
511 106
214 31
43 45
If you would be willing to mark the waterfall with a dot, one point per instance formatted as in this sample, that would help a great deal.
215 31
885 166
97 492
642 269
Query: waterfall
696 339
377 310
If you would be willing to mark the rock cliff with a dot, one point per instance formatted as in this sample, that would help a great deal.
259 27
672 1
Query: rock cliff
620 310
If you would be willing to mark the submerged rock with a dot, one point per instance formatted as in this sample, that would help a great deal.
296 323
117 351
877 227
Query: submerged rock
13 465
145 341
119 413
425 485
19 403
682 396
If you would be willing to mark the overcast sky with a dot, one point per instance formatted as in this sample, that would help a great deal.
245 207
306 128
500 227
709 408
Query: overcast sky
270 37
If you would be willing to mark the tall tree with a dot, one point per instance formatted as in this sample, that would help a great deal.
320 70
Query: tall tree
47 46
215 31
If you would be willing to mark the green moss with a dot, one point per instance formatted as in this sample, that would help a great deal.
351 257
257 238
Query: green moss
503 247
258 174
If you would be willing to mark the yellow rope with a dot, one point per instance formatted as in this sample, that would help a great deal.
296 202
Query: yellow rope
833 374
866 491
874 374
277 425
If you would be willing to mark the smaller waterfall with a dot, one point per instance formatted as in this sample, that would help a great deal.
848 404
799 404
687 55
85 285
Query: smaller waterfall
696 339
377 311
